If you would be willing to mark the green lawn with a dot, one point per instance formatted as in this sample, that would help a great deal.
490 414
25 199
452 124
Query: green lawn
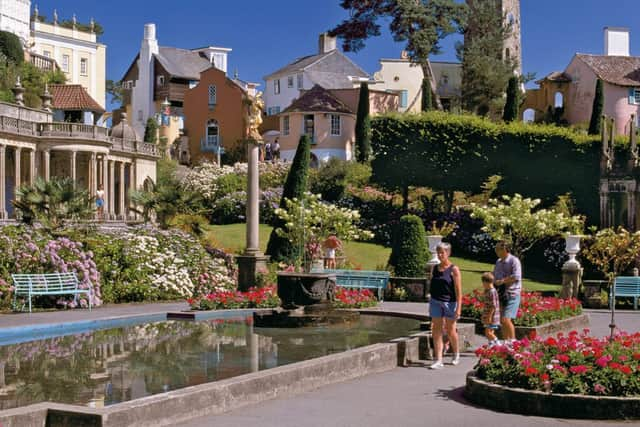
366 256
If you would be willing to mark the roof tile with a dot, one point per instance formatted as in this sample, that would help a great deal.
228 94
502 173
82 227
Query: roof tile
618 70
318 99
73 97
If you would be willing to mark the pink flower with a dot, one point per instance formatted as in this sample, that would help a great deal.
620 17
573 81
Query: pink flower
599 388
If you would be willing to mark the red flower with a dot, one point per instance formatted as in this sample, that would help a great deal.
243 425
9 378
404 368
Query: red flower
579 369
563 358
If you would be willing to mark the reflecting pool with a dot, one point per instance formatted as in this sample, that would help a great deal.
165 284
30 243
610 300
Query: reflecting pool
108 366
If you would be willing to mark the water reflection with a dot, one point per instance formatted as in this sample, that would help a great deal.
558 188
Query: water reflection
114 365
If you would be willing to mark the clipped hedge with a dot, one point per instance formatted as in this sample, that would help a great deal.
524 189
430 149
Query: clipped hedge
409 253
458 152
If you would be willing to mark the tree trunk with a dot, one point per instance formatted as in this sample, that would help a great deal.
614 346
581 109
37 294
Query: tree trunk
405 199
426 71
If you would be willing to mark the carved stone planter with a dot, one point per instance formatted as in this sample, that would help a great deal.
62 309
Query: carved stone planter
302 289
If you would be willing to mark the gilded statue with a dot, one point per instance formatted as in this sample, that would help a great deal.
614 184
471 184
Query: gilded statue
253 116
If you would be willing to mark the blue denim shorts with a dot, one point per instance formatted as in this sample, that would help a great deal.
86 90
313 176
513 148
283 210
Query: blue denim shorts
510 309
439 308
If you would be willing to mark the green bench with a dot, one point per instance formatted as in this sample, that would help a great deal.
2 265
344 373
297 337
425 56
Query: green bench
624 287
361 279
47 284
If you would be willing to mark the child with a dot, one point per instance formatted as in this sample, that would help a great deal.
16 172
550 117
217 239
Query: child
330 245
491 312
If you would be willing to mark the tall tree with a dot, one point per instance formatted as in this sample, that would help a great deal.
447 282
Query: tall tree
279 248
421 24
427 100
363 125
114 89
595 125
511 106
486 68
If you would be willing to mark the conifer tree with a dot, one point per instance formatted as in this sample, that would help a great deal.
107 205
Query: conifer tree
511 106
595 125
363 126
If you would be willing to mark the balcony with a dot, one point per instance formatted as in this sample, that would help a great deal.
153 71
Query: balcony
75 130
211 144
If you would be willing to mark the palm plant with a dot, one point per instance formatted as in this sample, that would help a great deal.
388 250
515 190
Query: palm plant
164 201
53 203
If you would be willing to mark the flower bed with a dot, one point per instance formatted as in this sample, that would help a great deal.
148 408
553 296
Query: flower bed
266 297
534 309
354 298
572 364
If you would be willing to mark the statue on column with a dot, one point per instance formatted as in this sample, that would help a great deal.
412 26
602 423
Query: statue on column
253 116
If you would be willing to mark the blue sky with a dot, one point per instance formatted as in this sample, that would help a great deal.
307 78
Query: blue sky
266 35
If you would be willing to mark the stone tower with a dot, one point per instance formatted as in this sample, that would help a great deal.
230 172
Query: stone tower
510 11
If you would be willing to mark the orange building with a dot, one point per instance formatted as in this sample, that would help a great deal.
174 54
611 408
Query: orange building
213 111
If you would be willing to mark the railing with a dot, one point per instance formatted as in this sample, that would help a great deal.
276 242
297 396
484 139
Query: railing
42 62
75 131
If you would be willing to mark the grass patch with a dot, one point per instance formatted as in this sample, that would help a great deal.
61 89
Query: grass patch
365 256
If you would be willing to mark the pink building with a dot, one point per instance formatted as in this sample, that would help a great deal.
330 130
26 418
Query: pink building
570 93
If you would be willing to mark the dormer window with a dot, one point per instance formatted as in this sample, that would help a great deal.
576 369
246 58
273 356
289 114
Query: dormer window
213 94
290 81
276 86
160 80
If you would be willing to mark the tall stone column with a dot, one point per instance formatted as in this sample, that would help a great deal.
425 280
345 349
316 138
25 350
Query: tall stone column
46 170
121 190
112 190
3 173
132 183
93 174
252 261
18 167
73 166
32 166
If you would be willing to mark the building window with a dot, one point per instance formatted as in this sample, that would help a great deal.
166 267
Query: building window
272 111
160 80
335 125
404 98
634 96
212 95
46 53
290 81
84 66
65 63
300 81
276 86
213 133
285 125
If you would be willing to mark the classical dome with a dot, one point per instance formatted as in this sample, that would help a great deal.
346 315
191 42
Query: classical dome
124 130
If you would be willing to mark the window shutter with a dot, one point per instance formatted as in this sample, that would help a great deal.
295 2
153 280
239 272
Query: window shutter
632 96
403 99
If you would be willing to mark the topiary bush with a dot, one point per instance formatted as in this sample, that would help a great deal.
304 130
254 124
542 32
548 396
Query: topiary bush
335 176
409 252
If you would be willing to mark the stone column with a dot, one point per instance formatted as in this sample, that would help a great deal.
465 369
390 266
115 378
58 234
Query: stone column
571 279
18 167
46 169
112 190
132 183
123 209
93 174
73 166
252 261
32 166
3 202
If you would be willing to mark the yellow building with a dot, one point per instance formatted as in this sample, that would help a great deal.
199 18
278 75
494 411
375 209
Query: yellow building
78 54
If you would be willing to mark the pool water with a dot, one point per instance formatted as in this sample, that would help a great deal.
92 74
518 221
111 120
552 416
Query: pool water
109 366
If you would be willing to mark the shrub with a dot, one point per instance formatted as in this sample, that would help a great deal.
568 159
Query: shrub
409 252
511 106
11 47
333 178
595 124
280 248
151 131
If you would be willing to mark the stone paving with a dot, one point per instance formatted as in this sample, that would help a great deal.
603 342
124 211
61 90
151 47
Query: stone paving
413 396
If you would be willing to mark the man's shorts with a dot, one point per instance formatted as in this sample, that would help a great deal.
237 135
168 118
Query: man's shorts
510 309
443 309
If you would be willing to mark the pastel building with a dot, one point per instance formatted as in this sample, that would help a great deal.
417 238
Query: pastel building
77 53
14 18
328 117
328 68
572 91
160 73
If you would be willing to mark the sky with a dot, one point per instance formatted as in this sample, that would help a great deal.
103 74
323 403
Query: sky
266 35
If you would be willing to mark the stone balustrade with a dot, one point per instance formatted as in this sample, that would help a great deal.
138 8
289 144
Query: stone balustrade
77 131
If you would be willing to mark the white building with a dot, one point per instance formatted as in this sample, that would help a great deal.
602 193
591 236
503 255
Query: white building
78 54
329 68
14 18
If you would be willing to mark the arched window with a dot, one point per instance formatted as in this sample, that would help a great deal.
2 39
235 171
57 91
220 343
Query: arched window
213 133
529 115
212 95
558 100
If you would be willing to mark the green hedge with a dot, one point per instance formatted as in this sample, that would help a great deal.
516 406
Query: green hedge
409 252
458 152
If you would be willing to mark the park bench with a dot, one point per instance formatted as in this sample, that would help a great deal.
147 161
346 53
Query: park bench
626 286
47 284
362 279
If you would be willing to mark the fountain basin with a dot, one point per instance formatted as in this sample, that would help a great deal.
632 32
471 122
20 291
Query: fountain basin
303 289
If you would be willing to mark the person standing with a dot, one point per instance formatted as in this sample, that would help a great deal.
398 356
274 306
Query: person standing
276 150
445 305
508 280
100 202
268 153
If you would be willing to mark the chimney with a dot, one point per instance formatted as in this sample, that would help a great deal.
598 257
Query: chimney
616 41
326 43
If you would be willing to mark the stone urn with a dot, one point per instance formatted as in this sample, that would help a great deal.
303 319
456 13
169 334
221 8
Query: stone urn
572 246
303 289
434 241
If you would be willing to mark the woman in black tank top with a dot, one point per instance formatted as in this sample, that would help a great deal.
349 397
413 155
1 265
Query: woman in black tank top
445 304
